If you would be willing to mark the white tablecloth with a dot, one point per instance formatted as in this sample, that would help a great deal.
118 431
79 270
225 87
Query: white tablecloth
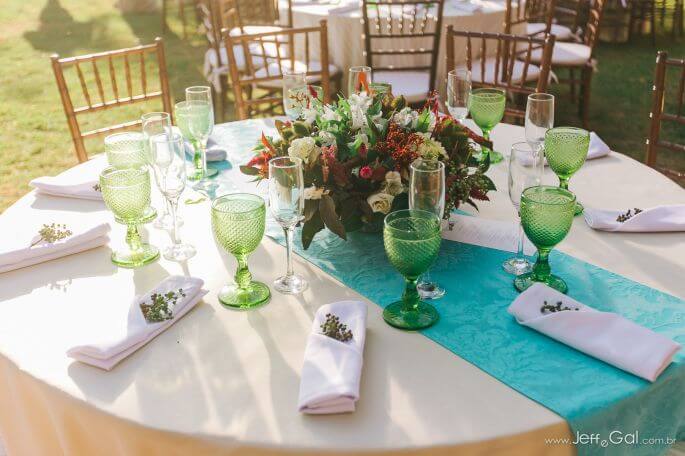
223 380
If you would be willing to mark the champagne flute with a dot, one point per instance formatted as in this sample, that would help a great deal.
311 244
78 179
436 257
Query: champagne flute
292 80
487 109
458 92
427 193
286 202
168 156
154 124
359 78
539 119
524 171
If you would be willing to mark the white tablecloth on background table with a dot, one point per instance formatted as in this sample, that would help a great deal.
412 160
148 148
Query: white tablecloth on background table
222 380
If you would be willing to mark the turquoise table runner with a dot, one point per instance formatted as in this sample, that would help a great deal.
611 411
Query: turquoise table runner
594 397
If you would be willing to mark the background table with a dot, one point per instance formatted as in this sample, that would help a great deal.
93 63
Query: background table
222 379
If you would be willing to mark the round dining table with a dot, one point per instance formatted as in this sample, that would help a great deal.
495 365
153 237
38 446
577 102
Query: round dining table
221 381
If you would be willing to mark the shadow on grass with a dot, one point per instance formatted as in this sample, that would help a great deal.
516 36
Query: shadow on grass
58 31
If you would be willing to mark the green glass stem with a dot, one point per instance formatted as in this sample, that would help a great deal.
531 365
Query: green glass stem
410 298
486 136
199 159
243 276
563 183
133 238
541 270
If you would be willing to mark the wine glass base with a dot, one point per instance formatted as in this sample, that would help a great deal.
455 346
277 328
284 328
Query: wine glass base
517 266
523 282
424 316
430 290
253 296
293 284
166 222
134 259
180 252
579 208
194 175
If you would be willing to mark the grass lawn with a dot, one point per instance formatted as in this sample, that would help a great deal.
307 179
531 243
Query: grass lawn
34 139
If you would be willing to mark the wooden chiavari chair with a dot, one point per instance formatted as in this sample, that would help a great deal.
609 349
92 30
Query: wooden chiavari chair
579 57
658 115
123 90
259 90
535 15
403 29
503 61
567 16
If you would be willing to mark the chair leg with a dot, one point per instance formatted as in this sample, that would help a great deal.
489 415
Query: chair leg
572 83
585 95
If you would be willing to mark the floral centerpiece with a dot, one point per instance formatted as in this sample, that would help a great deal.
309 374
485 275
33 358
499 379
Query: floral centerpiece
356 155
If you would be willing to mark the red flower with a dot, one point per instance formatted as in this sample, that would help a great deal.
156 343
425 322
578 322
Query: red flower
366 172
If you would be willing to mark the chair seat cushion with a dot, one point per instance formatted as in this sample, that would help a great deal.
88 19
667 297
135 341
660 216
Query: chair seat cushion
211 60
271 49
413 85
561 32
274 69
532 74
566 54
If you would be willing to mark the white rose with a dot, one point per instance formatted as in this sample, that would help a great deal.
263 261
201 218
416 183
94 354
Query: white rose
380 202
304 148
313 193
393 177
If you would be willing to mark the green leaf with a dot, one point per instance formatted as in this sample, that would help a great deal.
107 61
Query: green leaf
400 202
311 207
310 228
489 184
330 217
249 170
424 121
301 129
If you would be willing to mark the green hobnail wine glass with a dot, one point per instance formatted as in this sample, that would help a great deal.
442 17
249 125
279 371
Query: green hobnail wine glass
566 150
126 193
546 215
238 222
412 241
487 109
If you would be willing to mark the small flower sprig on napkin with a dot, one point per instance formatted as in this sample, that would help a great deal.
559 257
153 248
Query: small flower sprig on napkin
52 233
335 330
551 308
159 310
97 188
628 215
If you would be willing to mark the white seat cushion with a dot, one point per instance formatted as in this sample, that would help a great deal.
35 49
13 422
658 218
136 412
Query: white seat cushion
413 85
517 72
274 69
561 32
270 47
211 61
566 54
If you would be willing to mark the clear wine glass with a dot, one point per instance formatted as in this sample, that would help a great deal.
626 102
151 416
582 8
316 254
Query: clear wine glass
198 118
539 119
153 124
286 203
458 92
168 156
301 98
427 193
359 78
525 170
292 80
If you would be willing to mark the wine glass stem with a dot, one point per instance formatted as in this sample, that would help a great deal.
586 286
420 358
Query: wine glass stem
289 248
173 210
541 270
133 237
486 136
410 298
563 183
243 277
519 250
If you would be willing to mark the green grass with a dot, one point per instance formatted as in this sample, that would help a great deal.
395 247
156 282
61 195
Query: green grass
34 139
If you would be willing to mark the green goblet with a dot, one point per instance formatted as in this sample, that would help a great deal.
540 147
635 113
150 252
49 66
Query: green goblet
238 222
127 194
566 150
546 215
487 109
412 241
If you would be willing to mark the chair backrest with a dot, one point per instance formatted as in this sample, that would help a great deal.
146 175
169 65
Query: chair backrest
676 118
250 87
529 11
594 20
394 29
511 56
569 13
100 93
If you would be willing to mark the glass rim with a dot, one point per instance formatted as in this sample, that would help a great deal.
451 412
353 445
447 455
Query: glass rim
108 171
292 72
359 68
199 89
398 215
151 115
458 71
520 145
540 96
548 189
171 137
567 129
114 136
439 165
296 162
238 197
488 90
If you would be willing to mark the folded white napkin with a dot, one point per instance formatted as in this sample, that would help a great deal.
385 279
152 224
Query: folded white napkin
332 369
656 219
78 182
494 234
122 340
603 335
16 251
214 151
598 148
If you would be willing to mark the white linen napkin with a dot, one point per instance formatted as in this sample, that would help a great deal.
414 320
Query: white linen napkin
214 151
16 251
656 219
121 341
332 369
603 335
495 234
598 148
78 182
